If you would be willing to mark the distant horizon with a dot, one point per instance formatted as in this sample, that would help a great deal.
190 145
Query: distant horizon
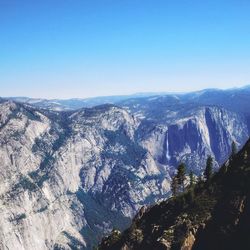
131 94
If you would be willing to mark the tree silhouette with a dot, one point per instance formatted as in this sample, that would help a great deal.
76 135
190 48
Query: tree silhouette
174 186
181 172
234 148
209 168
191 179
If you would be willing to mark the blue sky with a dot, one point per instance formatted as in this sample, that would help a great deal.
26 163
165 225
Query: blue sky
82 48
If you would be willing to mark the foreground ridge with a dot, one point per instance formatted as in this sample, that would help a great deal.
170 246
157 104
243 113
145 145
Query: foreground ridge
212 215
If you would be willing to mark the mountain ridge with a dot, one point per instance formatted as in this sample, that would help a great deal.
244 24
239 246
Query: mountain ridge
77 103
212 215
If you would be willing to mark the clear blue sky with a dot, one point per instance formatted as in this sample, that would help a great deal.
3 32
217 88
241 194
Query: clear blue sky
81 48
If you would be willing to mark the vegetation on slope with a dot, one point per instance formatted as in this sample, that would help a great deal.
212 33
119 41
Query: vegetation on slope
213 214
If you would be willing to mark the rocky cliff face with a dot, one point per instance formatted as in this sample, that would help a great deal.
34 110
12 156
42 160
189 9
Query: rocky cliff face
212 215
192 135
67 178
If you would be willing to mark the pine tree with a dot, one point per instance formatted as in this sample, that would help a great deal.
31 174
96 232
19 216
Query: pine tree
200 179
234 148
181 172
209 168
191 179
174 186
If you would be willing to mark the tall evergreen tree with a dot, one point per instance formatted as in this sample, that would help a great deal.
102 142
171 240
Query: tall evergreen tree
191 179
174 186
209 168
234 148
200 179
181 172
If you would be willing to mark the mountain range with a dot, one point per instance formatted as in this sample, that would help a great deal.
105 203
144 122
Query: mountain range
218 97
72 171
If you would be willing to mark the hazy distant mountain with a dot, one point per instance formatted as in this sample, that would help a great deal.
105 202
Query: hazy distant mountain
224 98
74 103
235 100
